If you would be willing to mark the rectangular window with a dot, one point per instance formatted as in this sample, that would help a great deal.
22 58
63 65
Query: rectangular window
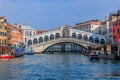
118 31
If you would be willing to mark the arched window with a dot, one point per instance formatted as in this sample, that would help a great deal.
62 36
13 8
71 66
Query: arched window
35 41
79 36
102 41
86 37
57 35
51 37
91 39
29 42
73 35
40 39
46 38
96 40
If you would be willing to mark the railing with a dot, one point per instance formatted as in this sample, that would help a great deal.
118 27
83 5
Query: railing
58 40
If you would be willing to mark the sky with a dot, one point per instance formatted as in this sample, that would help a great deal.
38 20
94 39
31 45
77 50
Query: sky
50 14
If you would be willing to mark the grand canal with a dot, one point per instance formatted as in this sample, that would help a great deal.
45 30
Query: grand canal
67 66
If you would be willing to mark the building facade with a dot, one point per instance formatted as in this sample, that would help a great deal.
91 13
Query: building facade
105 29
93 26
5 32
17 36
116 31
108 27
27 32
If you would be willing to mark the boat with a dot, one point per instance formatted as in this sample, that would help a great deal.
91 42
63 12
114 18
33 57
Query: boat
19 52
11 56
6 56
94 56
29 51
18 55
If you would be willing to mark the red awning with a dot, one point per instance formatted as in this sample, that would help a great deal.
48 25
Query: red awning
4 48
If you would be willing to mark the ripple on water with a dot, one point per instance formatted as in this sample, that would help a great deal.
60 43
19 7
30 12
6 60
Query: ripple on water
58 67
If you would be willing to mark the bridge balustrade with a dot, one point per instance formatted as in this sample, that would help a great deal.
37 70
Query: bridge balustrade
63 39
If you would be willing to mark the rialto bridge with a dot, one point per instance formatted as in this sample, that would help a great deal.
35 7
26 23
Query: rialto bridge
64 34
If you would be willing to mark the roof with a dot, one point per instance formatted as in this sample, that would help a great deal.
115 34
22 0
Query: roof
27 27
2 16
96 22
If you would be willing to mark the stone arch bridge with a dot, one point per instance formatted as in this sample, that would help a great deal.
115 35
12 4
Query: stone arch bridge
65 33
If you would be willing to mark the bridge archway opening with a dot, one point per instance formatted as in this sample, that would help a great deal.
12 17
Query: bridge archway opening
74 35
46 38
40 39
85 37
91 39
102 41
51 37
35 41
96 40
65 47
79 36
57 35
29 42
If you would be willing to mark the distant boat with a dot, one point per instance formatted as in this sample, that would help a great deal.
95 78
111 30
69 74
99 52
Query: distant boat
29 51
94 56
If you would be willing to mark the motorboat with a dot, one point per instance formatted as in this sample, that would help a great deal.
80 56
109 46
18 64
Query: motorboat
94 56
29 51
6 56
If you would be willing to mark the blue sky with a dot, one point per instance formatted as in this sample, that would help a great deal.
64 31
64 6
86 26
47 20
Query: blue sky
50 14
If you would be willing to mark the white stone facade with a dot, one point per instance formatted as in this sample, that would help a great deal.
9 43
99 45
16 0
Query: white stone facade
28 31
71 33
93 26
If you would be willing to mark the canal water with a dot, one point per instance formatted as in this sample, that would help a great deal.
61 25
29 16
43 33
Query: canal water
59 66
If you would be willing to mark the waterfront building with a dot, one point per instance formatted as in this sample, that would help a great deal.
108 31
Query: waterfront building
105 29
5 34
116 31
3 20
113 18
17 35
5 31
93 26
107 26
27 32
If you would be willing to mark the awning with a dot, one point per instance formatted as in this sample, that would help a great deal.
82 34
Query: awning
4 48
12 47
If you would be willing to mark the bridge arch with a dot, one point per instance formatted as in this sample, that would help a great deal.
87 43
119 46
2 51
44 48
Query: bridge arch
74 35
102 41
35 41
79 36
51 36
64 42
46 38
96 40
57 35
30 42
90 39
85 37
40 39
